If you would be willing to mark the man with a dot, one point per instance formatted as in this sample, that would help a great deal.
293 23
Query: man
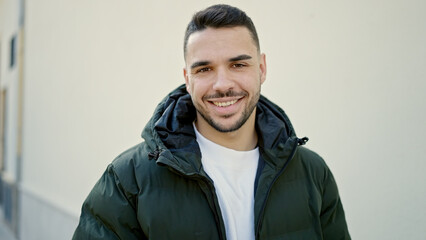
219 160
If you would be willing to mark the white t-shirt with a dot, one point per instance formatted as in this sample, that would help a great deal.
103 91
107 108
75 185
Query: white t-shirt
233 174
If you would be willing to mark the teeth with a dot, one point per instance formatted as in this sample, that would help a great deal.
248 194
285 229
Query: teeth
224 104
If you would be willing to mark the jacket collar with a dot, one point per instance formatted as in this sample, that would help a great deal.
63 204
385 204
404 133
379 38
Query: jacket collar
170 133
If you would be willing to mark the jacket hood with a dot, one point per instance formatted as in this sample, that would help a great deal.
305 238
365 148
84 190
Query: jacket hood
170 134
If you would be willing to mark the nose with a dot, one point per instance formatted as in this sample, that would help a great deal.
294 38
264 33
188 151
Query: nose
223 81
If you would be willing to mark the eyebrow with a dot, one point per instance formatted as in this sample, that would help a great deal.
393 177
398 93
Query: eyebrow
199 64
234 59
240 57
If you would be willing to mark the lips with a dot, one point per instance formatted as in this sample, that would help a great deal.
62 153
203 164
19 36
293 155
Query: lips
225 103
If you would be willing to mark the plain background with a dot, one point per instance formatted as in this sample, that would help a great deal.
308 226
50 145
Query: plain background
351 75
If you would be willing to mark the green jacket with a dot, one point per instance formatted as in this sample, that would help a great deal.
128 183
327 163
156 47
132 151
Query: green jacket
159 190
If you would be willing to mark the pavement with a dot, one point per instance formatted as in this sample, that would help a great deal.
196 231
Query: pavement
5 232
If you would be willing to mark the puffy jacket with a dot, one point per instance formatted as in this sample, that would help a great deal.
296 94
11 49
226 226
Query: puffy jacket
159 190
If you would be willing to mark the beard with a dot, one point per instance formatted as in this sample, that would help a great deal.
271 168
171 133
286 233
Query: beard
251 105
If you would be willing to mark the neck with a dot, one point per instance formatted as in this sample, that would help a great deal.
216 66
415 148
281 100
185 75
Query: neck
243 139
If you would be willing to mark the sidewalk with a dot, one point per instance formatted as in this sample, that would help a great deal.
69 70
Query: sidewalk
5 233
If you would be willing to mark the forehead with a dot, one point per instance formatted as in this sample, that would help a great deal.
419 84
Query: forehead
213 43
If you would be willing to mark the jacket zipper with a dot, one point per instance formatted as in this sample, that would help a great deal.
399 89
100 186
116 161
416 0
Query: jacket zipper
222 234
259 224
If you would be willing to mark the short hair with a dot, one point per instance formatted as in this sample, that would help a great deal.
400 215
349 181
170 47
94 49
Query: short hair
220 16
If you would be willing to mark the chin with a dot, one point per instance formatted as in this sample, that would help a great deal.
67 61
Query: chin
231 127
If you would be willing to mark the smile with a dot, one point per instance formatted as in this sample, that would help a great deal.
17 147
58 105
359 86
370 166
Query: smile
225 104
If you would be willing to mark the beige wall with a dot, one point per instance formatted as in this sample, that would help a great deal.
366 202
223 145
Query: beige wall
350 74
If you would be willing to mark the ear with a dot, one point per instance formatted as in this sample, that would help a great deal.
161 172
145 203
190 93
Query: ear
262 67
185 75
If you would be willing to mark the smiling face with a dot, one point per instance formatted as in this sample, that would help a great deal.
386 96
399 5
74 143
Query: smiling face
223 74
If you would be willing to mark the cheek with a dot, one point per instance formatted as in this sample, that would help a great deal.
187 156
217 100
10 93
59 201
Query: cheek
188 88
192 90
196 88
250 84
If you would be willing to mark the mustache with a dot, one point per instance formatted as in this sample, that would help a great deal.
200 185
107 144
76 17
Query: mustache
228 93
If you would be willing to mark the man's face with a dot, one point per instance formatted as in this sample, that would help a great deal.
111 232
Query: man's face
223 75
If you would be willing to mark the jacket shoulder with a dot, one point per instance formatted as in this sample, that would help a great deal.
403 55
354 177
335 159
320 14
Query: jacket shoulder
309 157
312 164
129 167
134 157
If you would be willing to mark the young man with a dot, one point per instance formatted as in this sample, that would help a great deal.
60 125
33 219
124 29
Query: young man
219 160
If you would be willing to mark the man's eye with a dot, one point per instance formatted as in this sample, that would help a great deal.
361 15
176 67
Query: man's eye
238 65
201 70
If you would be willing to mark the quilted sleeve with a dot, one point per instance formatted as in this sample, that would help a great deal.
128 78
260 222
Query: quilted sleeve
107 213
333 220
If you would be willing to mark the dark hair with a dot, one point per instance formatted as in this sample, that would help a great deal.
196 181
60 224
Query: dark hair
218 16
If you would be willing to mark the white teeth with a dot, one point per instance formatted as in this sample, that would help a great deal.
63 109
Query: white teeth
224 104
